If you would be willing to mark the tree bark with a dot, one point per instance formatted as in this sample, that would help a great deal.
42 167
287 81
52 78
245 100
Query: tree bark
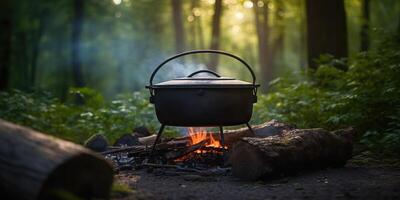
5 43
264 54
77 22
178 25
36 166
290 152
326 29
215 35
364 34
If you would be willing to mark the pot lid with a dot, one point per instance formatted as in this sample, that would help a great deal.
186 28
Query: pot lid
216 81
204 82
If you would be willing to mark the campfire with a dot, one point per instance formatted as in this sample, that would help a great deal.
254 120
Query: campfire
198 135
209 150
199 150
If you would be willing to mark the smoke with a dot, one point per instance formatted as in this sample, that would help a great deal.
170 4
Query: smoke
177 70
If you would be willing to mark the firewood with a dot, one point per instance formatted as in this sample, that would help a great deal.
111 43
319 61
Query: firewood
266 129
148 140
172 155
290 152
37 166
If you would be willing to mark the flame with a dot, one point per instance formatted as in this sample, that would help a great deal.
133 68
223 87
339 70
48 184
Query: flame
199 134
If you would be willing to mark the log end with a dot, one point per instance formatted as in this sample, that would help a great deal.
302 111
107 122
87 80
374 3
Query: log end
248 163
85 176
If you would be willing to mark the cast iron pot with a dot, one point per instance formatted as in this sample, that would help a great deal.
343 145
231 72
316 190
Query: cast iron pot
203 101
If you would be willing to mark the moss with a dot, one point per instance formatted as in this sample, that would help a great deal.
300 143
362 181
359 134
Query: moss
121 190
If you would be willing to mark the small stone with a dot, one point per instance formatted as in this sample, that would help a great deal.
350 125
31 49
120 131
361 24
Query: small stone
141 131
127 140
97 143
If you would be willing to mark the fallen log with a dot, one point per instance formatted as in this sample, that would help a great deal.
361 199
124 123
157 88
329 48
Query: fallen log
290 152
266 129
37 166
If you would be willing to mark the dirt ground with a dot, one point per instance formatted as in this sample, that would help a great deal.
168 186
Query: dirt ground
350 182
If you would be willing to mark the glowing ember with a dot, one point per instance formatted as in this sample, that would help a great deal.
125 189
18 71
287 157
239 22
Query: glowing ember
199 134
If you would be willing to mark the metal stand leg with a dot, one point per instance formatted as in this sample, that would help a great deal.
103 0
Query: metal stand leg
221 135
157 138
248 126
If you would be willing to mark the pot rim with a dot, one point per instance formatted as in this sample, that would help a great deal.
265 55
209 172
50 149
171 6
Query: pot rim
205 86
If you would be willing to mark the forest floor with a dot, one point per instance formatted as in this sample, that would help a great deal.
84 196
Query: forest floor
354 181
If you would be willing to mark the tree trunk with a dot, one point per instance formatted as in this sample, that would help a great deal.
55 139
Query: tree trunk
365 26
200 35
303 45
22 61
215 35
63 67
398 20
290 152
35 47
263 34
192 29
5 43
36 166
277 47
178 25
76 43
326 29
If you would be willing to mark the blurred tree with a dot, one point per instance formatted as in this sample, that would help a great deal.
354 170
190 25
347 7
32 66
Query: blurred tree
5 42
279 27
364 34
178 25
41 14
303 35
215 34
326 29
195 28
263 33
398 18
199 29
77 21
192 25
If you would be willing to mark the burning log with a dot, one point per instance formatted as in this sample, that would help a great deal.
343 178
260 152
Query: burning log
266 129
171 155
290 152
36 166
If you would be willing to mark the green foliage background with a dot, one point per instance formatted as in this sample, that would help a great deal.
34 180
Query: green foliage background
362 92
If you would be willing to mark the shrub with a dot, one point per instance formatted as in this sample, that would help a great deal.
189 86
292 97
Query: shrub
366 96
